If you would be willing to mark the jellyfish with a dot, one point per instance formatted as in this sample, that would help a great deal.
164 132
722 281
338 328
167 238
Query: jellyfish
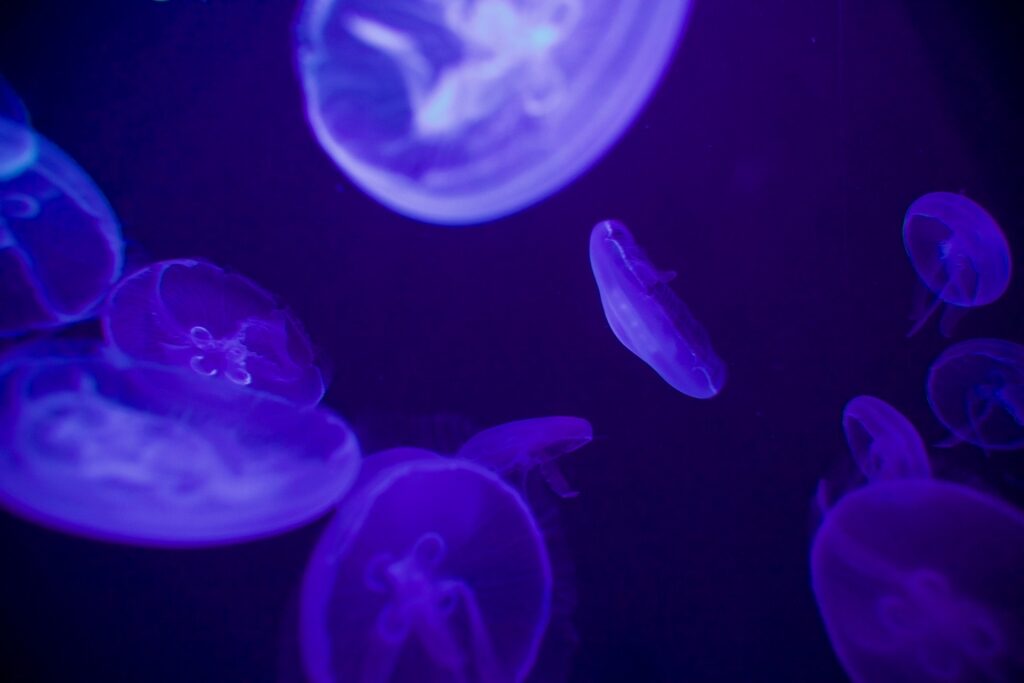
18 146
959 253
883 442
433 569
647 316
462 111
195 315
919 580
516 448
149 455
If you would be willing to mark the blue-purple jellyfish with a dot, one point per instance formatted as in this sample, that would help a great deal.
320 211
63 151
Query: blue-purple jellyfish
432 570
149 455
647 316
18 147
459 111
193 314
883 441
920 580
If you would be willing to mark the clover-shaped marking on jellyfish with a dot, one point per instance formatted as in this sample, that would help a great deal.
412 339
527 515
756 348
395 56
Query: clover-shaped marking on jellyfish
883 441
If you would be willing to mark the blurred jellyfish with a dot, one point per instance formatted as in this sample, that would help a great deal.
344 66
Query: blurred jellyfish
516 448
883 442
432 570
920 580
18 146
150 455
460 111
194 315
958 251
647 316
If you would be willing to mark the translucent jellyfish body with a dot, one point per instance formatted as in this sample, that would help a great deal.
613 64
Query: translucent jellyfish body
433 570
647 316
920 580
149 455
976 389
459 111
194 315
958 251
18 147
883 442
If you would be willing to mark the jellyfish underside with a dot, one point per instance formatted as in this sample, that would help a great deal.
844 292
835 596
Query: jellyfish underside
951 265
230 355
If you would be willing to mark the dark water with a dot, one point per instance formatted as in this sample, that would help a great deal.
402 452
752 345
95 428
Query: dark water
771 170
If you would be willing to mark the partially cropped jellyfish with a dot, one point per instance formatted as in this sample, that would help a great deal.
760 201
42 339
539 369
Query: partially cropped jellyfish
148 455
516 448
976 389
883 441
647 316
18 147
959 253
432 570
193 314
460 111
920 580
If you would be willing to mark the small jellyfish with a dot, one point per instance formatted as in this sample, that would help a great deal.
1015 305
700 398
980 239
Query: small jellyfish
460 111
433 569
18 146
195 315
647 316
883 442
959 253
516 448
920 580
976 389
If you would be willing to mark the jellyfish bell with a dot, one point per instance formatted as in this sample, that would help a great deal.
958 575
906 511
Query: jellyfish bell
18 147
883 441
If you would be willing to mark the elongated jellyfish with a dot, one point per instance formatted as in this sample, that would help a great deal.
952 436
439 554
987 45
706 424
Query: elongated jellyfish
883 441
460 111
18 147
193 314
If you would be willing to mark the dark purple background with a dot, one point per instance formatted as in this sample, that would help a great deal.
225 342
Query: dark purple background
771 170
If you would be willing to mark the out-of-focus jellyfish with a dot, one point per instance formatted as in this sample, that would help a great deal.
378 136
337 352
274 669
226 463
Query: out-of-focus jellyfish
883 442
958 251
647 316
18 146
151 455
976 389
516 448
432 570
920 580
459 111
195 315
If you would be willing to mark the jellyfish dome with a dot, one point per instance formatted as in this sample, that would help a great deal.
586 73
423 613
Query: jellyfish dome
18 146
194 315
920 580
432 570
883 442
148 455
460 111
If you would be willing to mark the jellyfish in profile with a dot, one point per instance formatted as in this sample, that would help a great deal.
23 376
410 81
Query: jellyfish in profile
460 111
516 448
647 316
195 315
959 253
883 442
433 569
149 455
920 580
18 146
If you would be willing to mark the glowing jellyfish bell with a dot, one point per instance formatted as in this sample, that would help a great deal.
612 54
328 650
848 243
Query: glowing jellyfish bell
433 569
920 580
18 146
883 442
460 111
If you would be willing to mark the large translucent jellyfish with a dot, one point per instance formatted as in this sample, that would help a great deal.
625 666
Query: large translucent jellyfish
150 455
459 111
516 448
883 442
958 251
920 580
976 389
432 570
195 315
647 316
60 244
18 146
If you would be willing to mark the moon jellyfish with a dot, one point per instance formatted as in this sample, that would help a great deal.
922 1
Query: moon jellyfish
460 111
520 446
149 455
976 389
647 316
195 315
432 570
18 146
883 442
920 580
959 253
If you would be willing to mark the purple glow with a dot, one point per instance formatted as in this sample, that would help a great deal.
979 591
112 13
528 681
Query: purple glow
18 147
883 442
